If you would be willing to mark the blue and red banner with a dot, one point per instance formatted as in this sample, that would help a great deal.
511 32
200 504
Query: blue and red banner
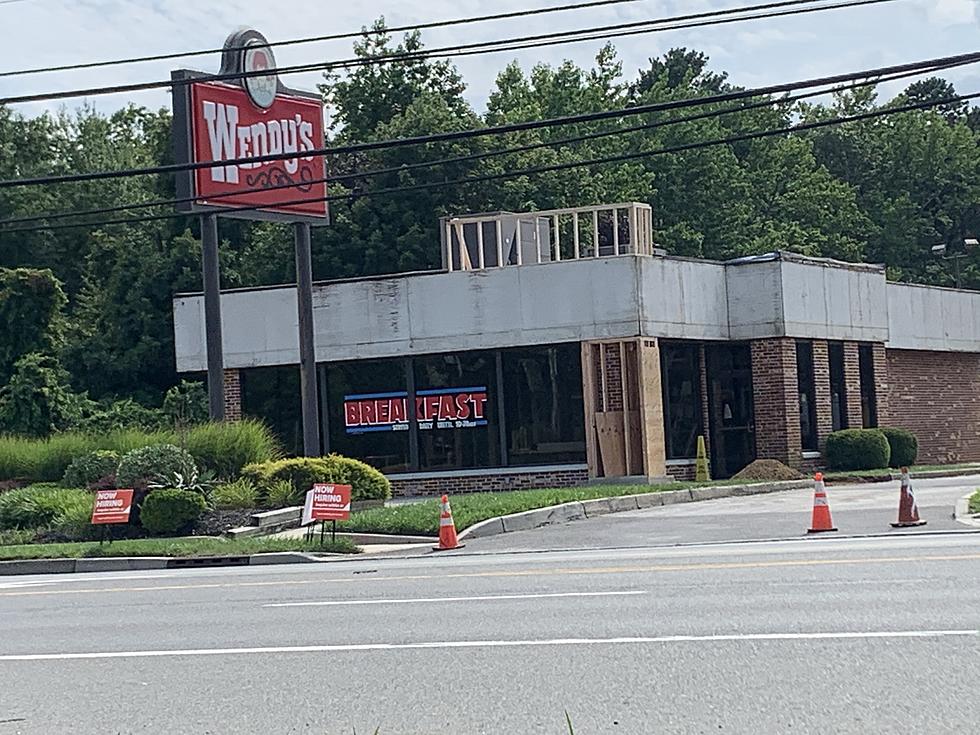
440 408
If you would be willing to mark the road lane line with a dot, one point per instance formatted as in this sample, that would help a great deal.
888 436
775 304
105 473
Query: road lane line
359 647
705 566
407 601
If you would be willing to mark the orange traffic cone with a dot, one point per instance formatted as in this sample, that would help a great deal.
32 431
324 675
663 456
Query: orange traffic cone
821 509
908 511
447 529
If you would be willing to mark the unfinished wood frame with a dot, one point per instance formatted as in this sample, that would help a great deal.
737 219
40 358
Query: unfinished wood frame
623 408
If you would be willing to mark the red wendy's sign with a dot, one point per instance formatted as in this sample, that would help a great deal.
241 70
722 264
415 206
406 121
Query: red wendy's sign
249 117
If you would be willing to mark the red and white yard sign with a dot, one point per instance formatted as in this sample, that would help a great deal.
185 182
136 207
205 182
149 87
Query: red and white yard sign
112 506
327 503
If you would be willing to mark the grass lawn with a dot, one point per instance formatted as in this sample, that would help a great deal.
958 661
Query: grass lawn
187 546
975 502
888 471
422 518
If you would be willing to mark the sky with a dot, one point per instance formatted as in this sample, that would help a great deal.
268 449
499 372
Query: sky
50 32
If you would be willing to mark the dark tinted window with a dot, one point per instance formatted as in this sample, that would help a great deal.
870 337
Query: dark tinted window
367 412
457 411
681 377
806 384
869 396
272 395
543 405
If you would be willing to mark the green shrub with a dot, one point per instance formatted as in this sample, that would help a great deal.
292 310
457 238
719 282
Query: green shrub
171 512
303 472
90 468
974 506
38 506
224 448
904 447
280 494
366 482
140 467
857 449
241 493
300 472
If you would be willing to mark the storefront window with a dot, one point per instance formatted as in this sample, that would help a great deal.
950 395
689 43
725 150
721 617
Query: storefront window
367 412
457 407
838 393
542 389
272 395
681 370
806 385
869 397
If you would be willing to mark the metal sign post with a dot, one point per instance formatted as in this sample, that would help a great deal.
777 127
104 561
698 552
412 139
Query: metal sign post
212 316
307 356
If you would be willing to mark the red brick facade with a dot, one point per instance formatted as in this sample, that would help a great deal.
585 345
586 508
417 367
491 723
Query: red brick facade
480 483
775 393
936 395
852 385
614 378
821 390
882 384
233 395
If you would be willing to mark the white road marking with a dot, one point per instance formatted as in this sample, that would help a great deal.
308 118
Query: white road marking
407 601
358 647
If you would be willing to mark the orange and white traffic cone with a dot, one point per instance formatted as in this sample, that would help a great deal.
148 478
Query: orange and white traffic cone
908 511
821 509
447 529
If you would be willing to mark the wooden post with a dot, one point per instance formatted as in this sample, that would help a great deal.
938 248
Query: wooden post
651 408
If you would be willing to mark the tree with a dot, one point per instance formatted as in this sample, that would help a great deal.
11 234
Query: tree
37 400
31 303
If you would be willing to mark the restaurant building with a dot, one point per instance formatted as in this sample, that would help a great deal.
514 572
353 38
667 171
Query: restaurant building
558 347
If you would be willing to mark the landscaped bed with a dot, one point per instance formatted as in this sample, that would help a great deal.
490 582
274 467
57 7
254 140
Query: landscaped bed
975 502
197 546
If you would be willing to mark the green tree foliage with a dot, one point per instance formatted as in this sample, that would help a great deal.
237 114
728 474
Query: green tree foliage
37 399
30 309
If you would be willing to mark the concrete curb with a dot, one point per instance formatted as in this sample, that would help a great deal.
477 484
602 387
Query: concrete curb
133 563
962 512
567 512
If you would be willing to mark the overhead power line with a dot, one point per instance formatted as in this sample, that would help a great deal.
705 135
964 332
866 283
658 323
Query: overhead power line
512 127
709 18
602 161
318 39
766 103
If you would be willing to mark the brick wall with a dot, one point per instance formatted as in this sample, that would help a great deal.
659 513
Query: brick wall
233 395
882 386
852 385
504 480
613 400
936 395
777 401
821 380
681 472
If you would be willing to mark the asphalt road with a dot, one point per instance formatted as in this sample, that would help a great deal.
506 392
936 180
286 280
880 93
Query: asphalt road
856 509
864 635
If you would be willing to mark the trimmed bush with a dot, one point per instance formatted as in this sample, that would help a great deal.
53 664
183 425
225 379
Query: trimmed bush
234 495
302 473
39 506
171 512
140 467
366 482
904 447
224 448
91 468
857 449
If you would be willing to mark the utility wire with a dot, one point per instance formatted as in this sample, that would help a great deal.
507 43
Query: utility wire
509 128
710 18
767 103
317 39
602 161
